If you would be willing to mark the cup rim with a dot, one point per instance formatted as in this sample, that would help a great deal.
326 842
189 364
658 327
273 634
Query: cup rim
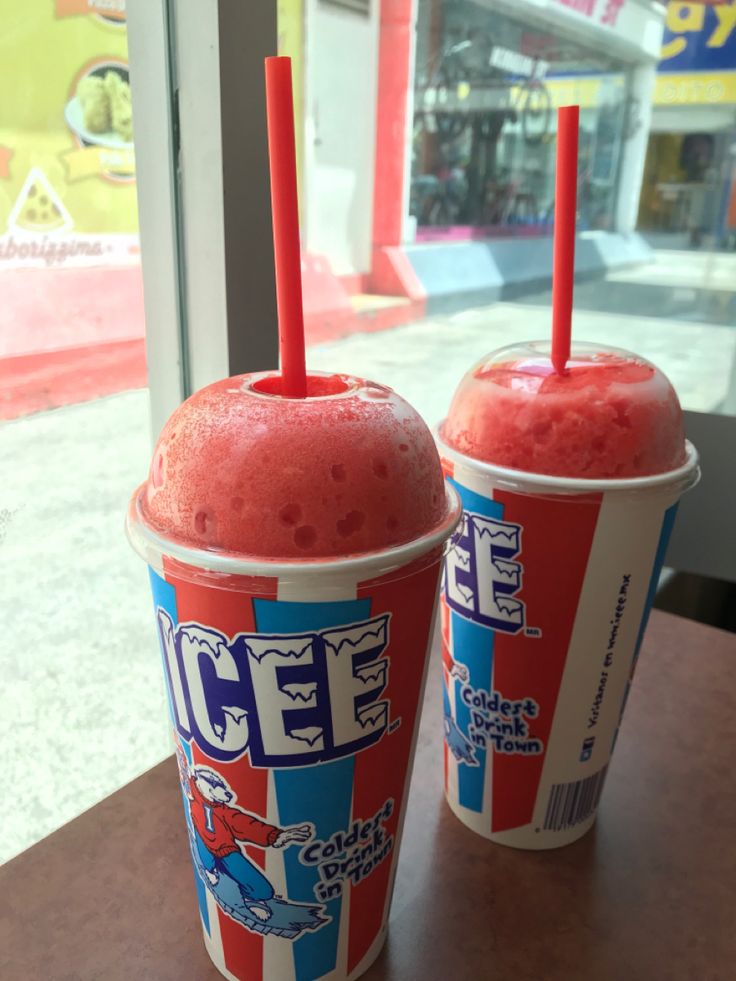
683 477
149 543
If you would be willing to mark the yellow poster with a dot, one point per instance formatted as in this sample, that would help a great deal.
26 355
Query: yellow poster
290 21
67 159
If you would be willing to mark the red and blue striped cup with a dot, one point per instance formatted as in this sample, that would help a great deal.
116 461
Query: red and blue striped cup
546 592
294 691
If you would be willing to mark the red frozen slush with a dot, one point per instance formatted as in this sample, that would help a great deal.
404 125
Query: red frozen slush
611 415
350 469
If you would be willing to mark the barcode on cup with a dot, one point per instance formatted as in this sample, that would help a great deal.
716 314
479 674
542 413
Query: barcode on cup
572 803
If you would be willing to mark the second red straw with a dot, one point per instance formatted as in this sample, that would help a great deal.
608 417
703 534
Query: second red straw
563 267
285 211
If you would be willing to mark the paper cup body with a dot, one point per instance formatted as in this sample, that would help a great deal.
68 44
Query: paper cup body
294 692
546 592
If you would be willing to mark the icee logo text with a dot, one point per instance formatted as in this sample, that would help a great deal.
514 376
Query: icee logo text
480 577
288 699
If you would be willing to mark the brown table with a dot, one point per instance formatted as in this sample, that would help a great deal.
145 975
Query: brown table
649 894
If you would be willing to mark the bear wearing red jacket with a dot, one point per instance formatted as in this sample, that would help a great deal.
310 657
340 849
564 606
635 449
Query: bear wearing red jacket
219 828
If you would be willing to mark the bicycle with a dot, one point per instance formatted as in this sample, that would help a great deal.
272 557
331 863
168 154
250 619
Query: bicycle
477 64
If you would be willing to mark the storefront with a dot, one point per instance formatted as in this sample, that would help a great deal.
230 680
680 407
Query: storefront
486 89
688 186
432 123
485 80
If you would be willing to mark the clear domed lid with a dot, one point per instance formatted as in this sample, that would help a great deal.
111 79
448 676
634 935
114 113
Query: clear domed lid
350 469
610 414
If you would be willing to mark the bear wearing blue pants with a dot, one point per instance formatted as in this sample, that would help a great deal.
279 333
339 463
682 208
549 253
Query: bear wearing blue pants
218 827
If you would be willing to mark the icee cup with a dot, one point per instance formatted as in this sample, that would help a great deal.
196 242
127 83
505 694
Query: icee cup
294 549
570 487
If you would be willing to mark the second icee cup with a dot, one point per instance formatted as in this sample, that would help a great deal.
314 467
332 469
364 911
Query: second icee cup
569 484
294 548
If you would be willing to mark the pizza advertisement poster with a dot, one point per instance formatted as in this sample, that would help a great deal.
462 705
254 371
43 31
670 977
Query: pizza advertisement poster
67 159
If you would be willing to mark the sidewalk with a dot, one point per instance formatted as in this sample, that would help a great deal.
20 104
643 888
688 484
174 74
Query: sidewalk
68 335
425 360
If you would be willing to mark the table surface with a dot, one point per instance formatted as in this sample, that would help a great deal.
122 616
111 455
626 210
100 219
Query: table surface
649 893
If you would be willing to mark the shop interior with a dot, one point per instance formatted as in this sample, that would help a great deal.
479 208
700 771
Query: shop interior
684 185
486 91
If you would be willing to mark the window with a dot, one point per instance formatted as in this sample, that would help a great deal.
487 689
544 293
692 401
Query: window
485 92
75 428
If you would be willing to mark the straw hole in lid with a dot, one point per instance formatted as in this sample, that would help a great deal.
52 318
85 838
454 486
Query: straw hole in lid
318 386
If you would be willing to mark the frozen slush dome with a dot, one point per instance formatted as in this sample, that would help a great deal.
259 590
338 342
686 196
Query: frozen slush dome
352 468
612 414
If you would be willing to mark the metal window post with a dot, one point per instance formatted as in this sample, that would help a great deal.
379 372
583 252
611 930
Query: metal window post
203 191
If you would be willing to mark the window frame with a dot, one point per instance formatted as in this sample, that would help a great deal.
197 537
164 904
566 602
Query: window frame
203 190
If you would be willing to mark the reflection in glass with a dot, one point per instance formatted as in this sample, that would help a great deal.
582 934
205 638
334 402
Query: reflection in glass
486 91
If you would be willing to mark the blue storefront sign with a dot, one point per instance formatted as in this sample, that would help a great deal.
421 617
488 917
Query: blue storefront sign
699 37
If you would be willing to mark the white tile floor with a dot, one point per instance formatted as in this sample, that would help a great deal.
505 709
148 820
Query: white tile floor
81 701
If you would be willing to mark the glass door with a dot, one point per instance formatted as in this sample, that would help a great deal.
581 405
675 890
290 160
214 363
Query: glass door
79 684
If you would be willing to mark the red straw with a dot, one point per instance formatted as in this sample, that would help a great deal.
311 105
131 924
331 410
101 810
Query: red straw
285 211
563 268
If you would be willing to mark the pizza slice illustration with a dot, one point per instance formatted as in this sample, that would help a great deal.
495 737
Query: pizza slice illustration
38 208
